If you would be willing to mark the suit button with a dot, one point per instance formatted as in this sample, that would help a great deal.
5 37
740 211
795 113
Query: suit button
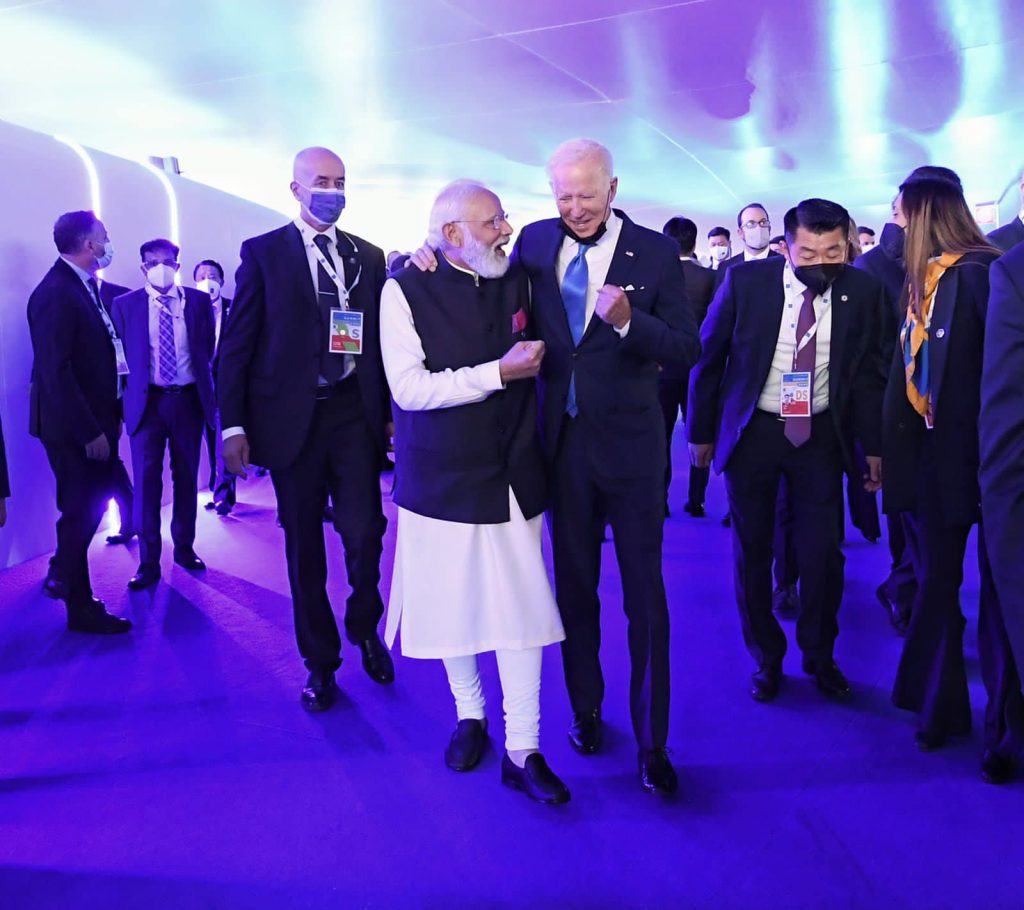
575 355
902 425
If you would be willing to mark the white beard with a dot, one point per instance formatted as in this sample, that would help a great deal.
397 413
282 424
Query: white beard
482 259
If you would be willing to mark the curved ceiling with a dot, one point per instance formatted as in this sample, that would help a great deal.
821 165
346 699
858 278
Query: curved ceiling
706 104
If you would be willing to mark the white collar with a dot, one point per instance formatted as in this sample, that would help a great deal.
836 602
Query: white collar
754 257
309 232
154 294
79 271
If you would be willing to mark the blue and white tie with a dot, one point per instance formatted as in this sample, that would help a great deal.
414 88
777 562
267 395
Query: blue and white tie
168 359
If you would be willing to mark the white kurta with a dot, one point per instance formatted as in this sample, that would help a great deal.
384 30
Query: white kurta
459 588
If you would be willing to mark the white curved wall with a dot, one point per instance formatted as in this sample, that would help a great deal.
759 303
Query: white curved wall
41 178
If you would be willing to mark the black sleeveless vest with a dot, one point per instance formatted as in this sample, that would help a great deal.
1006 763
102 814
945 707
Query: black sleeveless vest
457 463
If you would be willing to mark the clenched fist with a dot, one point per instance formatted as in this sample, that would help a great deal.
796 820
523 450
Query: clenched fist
613 306
522 361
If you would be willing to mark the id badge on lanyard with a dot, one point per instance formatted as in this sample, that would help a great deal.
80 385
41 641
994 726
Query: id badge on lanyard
346 326
120 359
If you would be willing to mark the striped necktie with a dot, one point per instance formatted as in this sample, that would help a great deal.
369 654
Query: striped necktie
168 355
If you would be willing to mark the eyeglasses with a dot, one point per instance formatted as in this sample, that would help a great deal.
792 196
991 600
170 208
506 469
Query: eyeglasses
750 225
496 222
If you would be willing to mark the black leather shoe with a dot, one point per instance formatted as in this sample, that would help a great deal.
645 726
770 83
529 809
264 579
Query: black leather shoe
320 691
828 676
895 619
656 772
121 537
929 740
694 509
535 779
996 768
376 661
786 602
91 616
53 587
147 575
223 507
187 559
466 746
727 521
765 683
586 732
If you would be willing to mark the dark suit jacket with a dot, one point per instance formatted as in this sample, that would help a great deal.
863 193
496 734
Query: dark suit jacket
1009 235
954 362
74 374
700 288
269 357
616 378
131 318
738 259
5 482
893 277
1001 437
738 342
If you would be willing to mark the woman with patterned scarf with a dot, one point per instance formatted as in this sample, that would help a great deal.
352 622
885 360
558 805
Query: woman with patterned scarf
930 468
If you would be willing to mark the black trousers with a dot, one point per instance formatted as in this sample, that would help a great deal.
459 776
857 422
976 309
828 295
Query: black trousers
932 677
83 490
863 505
222 484
582 497
340 456
121 492
784 541
901 585
672 396
172 420
813 474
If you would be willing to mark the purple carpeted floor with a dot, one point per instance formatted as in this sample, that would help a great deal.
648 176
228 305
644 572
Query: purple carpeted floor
174 767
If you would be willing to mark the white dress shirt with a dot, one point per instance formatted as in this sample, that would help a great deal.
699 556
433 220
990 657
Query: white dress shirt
413 386
176 307
308 233
754 257
218 318
785 347
599 260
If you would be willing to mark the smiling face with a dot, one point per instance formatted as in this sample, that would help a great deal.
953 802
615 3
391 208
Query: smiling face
583 193
478 239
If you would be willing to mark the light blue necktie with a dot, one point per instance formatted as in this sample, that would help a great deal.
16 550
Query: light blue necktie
574 297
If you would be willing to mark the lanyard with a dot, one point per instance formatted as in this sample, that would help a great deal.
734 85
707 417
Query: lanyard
343 292
111 331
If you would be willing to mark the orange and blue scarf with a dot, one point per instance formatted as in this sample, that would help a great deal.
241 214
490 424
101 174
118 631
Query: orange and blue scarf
914 338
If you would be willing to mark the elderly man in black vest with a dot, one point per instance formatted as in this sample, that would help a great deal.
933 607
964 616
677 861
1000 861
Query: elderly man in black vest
469 576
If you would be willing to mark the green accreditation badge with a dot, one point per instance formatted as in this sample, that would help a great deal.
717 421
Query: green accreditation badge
346 332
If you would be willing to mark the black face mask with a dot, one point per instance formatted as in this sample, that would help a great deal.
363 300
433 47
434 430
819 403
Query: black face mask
892 240
819 278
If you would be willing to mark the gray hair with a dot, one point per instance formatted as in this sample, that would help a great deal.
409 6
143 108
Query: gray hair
576 151
450 206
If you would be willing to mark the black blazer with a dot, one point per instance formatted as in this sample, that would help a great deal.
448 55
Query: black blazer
700 288
893 276
1001 436
954 363
738 342
616 378
74 374
131 318
1009 235
738 259
5 481
269 357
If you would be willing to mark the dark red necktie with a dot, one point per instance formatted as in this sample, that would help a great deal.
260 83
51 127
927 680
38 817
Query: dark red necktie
798 429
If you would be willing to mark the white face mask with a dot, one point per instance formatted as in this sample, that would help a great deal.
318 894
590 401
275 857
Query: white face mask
719 253
757 238
107 257
161 275
209 286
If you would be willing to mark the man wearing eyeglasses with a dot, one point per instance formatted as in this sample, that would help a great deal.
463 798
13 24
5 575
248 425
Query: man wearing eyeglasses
755 233
302 392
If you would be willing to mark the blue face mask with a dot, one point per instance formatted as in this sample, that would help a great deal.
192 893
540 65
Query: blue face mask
325 206
892 240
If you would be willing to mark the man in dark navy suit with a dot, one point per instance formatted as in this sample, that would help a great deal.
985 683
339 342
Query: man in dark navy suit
609 301
301 386
168 334
1001 431
75 407
755 230
790 358
1011 233
673 381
